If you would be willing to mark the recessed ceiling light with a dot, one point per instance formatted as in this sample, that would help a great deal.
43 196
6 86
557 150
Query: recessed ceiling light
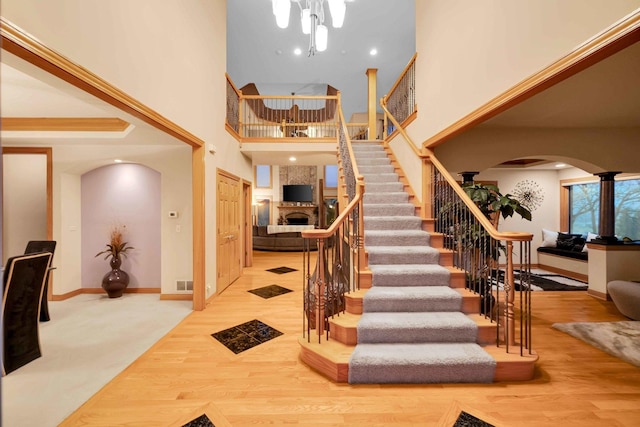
292 159
117 161
373 52
560 165
297 51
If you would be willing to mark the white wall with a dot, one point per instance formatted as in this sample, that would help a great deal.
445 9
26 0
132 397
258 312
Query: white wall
471 51
171 56
24 203
67 231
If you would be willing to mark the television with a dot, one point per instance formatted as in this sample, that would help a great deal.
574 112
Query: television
297 193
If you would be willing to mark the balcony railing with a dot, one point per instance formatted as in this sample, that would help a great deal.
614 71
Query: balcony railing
288 118
401 99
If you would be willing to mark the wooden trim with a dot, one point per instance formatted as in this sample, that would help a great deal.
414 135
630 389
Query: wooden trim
617 37
61 124
237 91
25 46
599 295
563 272
176 297
126 291
80 291
67 295
199 247
255 176
612 248
232 131
287 140
564 207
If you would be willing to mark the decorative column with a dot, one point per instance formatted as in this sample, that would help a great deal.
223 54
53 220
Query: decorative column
467 177
371 102
607 226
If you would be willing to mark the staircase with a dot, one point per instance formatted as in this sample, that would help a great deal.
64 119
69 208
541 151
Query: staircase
416 323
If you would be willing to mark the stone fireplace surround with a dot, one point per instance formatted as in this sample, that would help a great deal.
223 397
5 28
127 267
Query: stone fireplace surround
298 215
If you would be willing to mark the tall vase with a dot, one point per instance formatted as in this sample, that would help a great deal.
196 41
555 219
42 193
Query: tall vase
115 281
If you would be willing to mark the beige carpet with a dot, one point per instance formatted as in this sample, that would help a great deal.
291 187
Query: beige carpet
89 340
619 339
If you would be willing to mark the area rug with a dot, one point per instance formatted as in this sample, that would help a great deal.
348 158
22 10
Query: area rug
544 281
619 339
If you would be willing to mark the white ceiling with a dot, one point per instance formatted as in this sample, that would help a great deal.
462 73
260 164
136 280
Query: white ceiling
260 52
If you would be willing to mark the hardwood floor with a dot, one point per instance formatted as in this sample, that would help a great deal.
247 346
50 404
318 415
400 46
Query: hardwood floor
188 373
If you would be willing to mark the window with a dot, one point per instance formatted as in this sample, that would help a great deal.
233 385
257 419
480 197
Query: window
584 208
263 176
331 176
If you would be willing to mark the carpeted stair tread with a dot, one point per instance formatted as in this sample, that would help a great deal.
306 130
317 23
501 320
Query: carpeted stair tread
410 275
373 161
403 327
389 209
413 328
385 187
411 299
403 255
420 363
396 238
371 169
371 154
380 177
391 197
392 223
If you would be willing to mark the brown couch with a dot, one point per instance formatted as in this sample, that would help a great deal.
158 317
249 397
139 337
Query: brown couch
285 242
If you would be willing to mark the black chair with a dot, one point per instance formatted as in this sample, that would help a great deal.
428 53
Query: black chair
36 246
23 281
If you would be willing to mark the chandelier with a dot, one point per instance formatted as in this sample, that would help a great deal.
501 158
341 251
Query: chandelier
312 19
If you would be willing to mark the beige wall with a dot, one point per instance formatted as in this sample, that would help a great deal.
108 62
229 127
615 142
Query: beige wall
471 51
481 148
171 56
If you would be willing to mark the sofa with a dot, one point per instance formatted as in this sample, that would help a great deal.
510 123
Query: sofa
626 297
284 242
565 253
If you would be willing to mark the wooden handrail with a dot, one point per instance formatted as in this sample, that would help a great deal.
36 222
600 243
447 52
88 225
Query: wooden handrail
475 210
238 91
402 74
344 215
383 104
427 153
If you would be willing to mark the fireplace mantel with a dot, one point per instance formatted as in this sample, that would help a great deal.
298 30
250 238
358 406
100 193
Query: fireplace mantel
304 209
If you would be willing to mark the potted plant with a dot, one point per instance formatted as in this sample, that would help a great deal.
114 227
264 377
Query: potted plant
117 280
492 203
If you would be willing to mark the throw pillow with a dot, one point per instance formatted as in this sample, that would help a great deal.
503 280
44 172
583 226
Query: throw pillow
549 238
570 242
590 236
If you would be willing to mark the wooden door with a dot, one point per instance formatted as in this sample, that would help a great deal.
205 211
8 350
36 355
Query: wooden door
228 229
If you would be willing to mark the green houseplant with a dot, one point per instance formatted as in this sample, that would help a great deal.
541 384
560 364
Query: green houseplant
494 204
117 280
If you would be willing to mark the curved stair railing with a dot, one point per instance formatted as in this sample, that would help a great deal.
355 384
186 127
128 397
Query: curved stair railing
497 265
340 248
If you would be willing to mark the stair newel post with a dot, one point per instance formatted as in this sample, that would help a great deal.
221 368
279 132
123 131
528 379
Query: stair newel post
509 288
320 289
360 231
427 188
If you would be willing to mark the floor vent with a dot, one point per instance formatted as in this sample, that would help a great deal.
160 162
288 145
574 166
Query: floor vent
184 285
